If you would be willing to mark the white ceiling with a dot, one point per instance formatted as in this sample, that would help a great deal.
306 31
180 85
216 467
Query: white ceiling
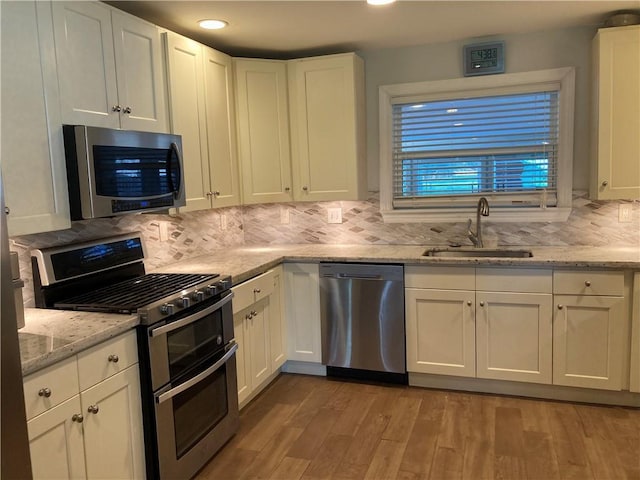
287 29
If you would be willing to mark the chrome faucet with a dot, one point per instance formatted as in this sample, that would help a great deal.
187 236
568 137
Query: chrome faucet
483 209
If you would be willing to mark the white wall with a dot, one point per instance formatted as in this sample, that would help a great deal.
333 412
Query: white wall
523 52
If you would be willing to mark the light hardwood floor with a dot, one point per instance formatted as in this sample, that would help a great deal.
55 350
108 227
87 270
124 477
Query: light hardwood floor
305 427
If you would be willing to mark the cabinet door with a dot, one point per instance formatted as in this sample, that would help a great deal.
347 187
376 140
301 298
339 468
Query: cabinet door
188 116
327 135
55 442
440 331
302 310
33 165
634 383
86 63
221 135
258 339
514 336
263 130
587 341
277 326
141 92
242 355
113 436
617 113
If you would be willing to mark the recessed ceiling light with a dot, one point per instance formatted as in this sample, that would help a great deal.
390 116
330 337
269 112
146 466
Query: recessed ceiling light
212 24
380 2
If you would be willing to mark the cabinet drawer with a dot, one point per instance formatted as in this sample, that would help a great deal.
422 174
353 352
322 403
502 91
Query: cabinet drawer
106 359
249 292
50 387
588 282
528 280
447 278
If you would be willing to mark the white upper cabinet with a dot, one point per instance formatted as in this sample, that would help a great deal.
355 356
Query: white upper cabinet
328 127
221 128
263 130
32 151
109 68
202 111
301 128
616 114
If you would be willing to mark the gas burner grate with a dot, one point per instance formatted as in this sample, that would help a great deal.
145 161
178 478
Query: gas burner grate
130 295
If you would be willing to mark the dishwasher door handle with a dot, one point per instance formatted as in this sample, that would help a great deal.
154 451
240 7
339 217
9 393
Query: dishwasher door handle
358 276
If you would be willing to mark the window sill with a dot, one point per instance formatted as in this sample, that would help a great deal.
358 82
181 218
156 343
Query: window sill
497 215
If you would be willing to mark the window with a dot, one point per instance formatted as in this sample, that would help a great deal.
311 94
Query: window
508 138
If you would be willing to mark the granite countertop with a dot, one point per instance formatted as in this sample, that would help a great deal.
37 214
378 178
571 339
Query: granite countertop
243 263
52 335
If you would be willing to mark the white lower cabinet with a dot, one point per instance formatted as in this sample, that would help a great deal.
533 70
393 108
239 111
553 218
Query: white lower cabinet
258 331
113 437
492 323
253 346
589 325
441 331
277 325
588 342
302 310
56 442
513 336
90 433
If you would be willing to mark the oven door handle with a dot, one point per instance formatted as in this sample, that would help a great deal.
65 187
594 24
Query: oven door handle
163 397
190 319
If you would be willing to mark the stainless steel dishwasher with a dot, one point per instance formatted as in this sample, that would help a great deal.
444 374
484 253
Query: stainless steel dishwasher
362 318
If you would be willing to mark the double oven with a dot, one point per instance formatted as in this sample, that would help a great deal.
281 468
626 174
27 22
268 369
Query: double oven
186 343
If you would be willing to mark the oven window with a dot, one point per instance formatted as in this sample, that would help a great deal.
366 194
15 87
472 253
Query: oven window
199 409
189 345
134 172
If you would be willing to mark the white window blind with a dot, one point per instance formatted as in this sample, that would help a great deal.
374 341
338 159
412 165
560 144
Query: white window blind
450 152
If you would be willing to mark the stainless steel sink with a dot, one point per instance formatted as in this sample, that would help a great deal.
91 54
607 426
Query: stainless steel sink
477 253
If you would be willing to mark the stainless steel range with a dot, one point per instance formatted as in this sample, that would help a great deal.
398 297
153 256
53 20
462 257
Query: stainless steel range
185 341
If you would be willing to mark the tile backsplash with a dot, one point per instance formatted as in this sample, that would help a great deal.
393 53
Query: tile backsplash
591 223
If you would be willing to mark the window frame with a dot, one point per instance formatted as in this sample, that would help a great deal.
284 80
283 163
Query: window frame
563 78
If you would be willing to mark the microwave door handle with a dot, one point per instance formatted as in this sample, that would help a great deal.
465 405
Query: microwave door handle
174 151
163 397
191 318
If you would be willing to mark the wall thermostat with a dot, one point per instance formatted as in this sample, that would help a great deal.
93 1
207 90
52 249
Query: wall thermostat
483 58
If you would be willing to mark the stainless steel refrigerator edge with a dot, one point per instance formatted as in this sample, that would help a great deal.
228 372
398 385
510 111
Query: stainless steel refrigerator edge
14 441
362 317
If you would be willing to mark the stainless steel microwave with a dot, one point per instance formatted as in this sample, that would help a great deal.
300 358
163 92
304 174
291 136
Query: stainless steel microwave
113 172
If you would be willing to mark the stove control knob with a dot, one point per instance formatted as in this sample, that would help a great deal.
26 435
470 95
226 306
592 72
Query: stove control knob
184 302
198 296
212 289
167 309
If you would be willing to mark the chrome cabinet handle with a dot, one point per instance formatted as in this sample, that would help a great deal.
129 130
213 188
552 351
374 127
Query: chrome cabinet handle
127 110
116 108
256 290
93 409
587 283
216 193
113 358
44 392
469 302
77 417
287 189
305 188
7 210
560 306
248 316
605 183
482 304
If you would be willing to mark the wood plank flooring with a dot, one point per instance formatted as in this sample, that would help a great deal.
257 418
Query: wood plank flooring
310 428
